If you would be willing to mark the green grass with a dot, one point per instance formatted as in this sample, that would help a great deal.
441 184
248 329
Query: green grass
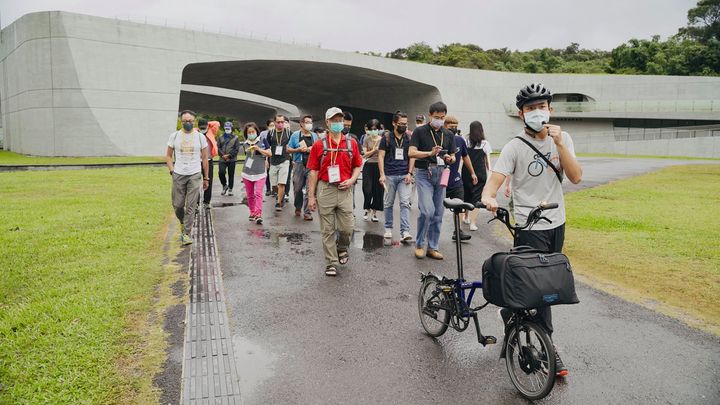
653 238
12 158
81 259
611 155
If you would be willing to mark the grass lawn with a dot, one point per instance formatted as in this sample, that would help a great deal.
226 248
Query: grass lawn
12 158
653 239
611 155
82 262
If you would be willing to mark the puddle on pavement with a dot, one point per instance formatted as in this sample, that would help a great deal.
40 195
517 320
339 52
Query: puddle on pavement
371 242
226 204
254 364
280 238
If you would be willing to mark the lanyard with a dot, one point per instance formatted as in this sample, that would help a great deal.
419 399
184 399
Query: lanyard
277 137
333 158
442 137
402 139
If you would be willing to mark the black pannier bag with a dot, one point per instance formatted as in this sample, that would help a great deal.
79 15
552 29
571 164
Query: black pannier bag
526 278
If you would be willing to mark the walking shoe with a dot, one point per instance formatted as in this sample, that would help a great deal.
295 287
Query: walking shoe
286 199
365 215
388 233
258 220
463 236
308 217
230 193
185 239
434 254
267 193
244 201
560 369
278 207
473 227
225 189
419 253
405 236
251 218
297 212
374 218
466 221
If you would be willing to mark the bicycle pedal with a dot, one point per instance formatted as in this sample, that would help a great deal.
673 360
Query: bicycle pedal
489 340
446 288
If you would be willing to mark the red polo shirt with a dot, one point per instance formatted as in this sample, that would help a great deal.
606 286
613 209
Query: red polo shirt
341 158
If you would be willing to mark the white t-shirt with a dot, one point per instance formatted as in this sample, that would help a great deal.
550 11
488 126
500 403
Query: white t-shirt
484 145
187 151
532 181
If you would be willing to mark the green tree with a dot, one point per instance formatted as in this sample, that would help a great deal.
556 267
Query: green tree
703 22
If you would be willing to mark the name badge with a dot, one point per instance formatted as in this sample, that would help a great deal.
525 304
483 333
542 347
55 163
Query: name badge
440 161
278 150
399 154
334 174
248 162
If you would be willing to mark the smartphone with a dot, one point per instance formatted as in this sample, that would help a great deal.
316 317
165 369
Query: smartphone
443 152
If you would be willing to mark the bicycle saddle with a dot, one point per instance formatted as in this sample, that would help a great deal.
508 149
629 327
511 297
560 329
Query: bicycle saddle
457 204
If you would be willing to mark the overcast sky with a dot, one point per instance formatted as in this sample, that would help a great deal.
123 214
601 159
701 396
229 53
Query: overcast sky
385 25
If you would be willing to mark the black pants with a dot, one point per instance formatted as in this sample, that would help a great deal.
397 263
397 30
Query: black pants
372 189
455 192
288 182
550 240
230 168
207 195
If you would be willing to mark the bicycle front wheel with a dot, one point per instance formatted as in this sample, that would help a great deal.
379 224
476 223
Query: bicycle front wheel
530 360
434 306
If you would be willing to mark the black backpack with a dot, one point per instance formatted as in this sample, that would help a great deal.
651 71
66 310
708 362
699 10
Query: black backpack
526 278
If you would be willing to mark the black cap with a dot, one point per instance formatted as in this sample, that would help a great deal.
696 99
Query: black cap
202 123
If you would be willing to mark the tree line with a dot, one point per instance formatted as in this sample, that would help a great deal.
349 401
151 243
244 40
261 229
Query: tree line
693 51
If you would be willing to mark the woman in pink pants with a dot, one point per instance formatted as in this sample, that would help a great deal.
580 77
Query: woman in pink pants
253 173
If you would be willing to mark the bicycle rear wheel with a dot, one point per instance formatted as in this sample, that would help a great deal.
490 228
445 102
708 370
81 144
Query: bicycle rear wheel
434 307
530 360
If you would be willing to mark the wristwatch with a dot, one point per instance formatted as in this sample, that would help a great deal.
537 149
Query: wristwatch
206 179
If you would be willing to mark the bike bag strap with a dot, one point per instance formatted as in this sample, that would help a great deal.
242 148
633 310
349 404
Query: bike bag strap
555 169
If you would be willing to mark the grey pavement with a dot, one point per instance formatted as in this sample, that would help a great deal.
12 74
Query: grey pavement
301 337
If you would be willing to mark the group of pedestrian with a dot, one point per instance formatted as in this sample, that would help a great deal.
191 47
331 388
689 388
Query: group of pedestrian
324 164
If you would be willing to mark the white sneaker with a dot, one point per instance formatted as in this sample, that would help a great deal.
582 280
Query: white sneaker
388 234
473 227
365 216
405 236
230 192
466 221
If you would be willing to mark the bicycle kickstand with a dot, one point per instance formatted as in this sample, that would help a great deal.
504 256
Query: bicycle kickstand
483 340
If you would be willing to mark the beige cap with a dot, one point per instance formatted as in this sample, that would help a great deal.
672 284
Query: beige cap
333 111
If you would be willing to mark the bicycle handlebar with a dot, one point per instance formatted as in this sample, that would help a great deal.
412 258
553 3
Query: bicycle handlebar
533 217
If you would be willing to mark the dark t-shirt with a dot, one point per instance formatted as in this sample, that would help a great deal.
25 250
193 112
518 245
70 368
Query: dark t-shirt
274 139
462 151
395 167
424 138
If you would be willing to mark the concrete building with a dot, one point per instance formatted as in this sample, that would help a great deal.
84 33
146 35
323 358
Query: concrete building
77 85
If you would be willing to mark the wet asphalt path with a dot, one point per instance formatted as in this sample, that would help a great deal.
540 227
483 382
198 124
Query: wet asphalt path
301 337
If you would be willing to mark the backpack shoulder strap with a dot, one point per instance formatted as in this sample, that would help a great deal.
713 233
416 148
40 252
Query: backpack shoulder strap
325 147
555 169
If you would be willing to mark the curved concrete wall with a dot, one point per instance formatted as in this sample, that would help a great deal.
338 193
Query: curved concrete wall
81 85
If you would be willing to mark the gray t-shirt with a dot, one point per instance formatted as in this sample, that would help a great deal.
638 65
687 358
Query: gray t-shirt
187 149
532 181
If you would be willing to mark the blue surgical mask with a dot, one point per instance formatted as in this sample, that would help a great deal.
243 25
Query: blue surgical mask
374 132
336 127
188 126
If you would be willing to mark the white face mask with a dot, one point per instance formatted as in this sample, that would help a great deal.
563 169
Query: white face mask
308 127
437 123
228 131
535 119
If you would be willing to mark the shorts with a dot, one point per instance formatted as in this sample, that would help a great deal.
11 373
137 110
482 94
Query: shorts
279 173
455 192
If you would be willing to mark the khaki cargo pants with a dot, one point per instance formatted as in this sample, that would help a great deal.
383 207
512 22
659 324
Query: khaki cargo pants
335 208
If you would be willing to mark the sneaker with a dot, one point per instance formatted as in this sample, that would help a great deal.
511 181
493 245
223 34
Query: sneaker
185 239
230 193
267 193
388 234
258 220
473 227
244 201
278 207
463 236
297 212
251 218
286 199
375 218
225 189
365 215
466 221
307 217
560 369
405 236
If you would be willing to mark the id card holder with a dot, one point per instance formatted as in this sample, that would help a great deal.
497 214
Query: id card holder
399 154
249 162
440 161
334 174
278 150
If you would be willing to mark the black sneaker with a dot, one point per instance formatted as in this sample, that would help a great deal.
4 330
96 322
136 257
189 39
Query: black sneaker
463 236
560 369
225 189
278 207
267 193
258 220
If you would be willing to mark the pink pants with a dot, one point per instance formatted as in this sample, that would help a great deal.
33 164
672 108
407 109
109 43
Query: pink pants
254 192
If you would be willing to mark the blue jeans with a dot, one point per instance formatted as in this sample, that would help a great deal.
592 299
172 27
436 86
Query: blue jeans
397 184
430 202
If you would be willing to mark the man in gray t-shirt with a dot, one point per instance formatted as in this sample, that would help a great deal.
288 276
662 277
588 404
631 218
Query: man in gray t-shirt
535 182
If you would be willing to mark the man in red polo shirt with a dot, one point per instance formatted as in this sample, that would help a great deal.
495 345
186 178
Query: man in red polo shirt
334 168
